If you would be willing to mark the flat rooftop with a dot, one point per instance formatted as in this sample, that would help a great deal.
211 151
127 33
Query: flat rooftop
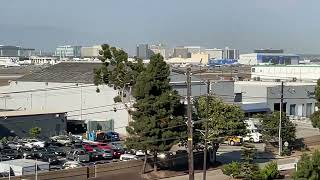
271 84
24 162
27 113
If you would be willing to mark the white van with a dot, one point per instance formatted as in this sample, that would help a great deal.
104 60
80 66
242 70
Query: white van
253 134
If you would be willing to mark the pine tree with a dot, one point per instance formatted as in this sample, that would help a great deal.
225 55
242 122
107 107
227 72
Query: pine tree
157 109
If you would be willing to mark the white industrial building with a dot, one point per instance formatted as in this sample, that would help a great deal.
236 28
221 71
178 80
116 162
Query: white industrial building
90 52
268 58
215 53
66 87
298 101
306 73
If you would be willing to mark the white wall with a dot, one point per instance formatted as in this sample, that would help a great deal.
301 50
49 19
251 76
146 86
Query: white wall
300 72
248 59
66 100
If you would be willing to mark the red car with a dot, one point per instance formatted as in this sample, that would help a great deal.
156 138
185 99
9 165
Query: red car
87 147
103 146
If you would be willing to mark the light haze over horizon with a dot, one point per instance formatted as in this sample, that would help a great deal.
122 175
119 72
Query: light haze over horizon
245 24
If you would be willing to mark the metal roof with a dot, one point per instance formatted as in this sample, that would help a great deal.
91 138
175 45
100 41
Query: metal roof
27 113
24 162
255 107
65 72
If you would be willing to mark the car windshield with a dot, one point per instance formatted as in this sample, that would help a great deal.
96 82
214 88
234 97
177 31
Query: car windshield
93 145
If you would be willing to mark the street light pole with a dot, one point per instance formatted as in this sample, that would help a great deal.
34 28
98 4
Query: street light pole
190 128
280 119
206 134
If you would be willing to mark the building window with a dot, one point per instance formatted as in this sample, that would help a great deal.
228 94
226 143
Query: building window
309 110
253 69
292 109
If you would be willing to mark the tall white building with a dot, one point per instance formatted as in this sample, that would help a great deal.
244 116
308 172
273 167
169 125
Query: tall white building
90 52
215 53
68 51
231 53
160 49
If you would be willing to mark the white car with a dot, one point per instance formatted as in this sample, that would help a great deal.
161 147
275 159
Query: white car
71 165
63 140
31 143
127 157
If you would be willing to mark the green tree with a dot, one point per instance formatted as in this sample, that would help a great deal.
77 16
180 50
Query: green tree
317 92
270 171
315 117
157 110
224 119
116 70
270 127
308 167
35 132
249 168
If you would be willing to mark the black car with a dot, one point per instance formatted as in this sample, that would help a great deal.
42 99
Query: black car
56 150
10 153
96 155
50 158
26 153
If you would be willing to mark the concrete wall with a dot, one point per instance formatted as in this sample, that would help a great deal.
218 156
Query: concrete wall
71 99
50 124
248 59
301 72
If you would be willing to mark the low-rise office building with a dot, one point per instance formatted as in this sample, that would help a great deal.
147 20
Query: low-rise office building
18 123
15 51
268 58
298 100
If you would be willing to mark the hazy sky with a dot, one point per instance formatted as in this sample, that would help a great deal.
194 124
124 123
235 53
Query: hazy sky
243 24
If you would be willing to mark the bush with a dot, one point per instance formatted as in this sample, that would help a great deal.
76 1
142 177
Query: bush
117 99
270 171
232 169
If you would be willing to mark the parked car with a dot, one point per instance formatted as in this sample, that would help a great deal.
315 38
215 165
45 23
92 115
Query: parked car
127 157
26 153
10 153
78 155
71 164
87 147
106 153
31 143
112 136
56 150
95 156
50 158
102 146
62 140
15 145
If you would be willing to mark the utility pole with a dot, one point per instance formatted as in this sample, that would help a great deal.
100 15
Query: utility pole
206 134
280 119
190 126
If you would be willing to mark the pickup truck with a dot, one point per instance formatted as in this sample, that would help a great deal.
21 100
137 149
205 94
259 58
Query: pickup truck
78 155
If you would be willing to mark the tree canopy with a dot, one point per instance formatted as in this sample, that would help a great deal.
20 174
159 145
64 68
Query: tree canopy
116 69
308 166
224 119
35 132
157 110
270 127
315 117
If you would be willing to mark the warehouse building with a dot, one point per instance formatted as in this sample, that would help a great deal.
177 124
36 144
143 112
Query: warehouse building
15 51
304 73
268 58
18 123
